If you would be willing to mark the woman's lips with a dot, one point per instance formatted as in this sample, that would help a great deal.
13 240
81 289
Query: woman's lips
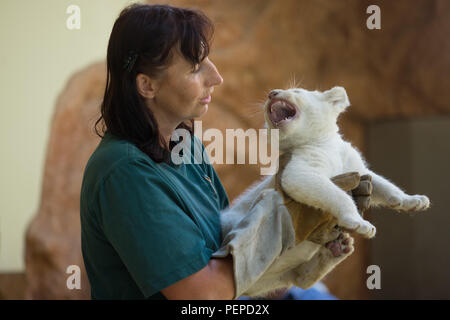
206 100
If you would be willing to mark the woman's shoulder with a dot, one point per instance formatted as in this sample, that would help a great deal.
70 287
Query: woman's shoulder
112 148
114 155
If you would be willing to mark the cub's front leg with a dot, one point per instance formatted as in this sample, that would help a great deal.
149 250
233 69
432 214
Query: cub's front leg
386 194
316 190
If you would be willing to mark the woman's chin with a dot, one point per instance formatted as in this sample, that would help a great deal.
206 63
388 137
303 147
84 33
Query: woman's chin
202 111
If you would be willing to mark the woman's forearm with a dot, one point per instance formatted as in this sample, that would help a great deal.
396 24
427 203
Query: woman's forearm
214 282
223 287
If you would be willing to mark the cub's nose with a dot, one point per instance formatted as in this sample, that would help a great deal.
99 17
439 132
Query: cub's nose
273 93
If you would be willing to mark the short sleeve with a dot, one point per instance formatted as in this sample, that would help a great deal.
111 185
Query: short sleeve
143 219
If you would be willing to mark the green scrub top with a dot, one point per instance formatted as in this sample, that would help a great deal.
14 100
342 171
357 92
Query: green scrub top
146 225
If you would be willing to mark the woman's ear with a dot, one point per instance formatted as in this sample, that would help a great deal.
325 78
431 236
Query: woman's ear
146 86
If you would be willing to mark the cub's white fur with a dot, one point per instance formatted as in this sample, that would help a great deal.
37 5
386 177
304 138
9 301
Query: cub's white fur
319 153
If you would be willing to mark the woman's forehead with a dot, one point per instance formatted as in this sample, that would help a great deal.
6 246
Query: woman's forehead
179 62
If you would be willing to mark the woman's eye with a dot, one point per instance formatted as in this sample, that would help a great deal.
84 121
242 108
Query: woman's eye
196 68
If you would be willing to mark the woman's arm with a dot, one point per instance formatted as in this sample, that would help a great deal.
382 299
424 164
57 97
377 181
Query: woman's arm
214 282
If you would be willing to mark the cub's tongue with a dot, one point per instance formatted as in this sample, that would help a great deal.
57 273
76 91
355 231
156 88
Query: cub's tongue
280 111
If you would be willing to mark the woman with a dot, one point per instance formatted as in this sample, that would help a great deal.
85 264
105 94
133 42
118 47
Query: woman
149 226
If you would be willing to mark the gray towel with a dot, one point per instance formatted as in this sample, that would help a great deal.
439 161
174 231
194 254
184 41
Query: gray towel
268 251
256 233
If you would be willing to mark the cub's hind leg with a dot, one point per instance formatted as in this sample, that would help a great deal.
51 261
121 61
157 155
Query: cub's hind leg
328 257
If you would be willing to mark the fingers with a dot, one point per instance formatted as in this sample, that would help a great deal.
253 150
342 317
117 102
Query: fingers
361 194
347 181
359 187
366 177
364 188
362 203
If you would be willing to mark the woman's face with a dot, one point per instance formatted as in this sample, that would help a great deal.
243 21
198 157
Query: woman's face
183 93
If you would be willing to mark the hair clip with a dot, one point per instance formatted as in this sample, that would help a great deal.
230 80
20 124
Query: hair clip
130 60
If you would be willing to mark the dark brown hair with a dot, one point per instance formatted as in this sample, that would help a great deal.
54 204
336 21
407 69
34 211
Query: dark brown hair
151 31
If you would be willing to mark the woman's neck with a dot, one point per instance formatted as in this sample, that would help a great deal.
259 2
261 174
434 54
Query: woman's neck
166 124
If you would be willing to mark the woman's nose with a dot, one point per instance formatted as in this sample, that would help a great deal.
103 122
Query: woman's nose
219 79
273 93
215 77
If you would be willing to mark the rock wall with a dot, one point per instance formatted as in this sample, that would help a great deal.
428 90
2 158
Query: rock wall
53 237
396 72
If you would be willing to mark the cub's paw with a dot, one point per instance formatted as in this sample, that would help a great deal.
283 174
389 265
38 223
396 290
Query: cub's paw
363 227
328 257
409 203
343 245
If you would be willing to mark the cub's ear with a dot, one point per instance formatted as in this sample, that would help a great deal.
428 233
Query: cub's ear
337 97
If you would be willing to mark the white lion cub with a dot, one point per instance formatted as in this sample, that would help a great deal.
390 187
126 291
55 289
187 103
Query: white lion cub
307 129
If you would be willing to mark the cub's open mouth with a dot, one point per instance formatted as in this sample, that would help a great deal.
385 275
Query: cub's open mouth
280 111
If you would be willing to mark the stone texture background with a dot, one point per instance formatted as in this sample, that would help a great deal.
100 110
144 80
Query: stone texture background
399 71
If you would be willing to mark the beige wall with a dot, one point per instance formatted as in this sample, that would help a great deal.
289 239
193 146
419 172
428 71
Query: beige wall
38 54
